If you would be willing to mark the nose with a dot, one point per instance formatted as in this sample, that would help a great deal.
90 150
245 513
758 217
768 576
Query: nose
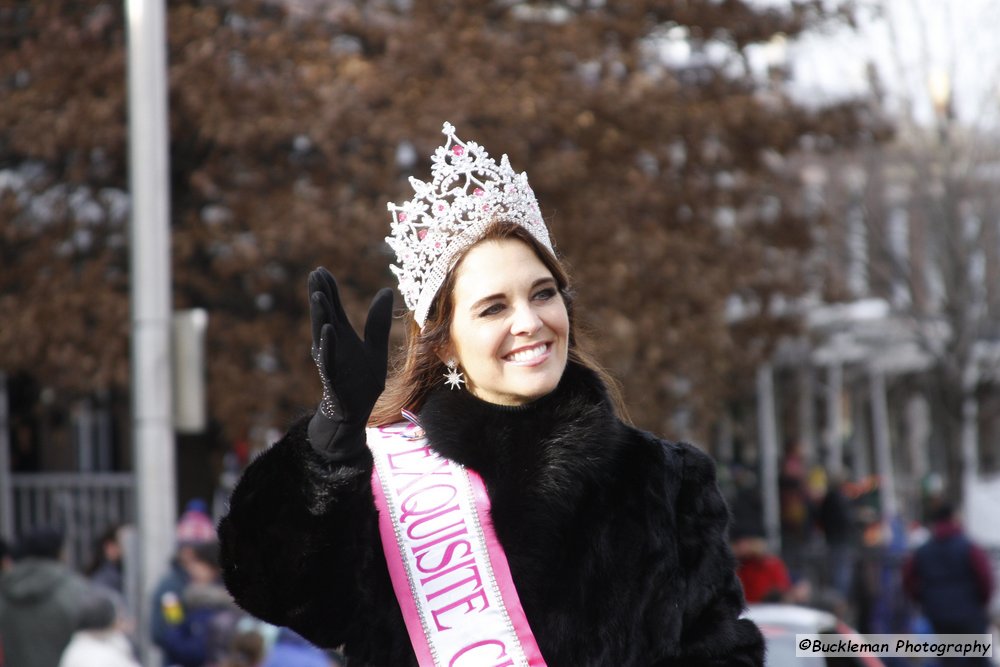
525 321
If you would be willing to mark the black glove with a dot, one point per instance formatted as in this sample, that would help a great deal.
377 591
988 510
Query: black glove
352 371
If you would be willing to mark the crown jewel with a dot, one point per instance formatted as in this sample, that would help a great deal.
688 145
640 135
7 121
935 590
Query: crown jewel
469 190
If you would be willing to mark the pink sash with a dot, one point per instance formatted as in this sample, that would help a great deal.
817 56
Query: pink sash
448 570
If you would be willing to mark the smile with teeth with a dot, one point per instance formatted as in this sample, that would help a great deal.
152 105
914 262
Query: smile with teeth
528 354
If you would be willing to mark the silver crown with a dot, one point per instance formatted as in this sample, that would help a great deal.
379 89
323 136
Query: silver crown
449 214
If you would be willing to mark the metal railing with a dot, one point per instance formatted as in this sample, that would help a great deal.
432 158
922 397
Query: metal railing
83 505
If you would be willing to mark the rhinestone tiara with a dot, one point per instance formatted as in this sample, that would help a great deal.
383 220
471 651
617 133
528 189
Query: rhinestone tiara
468 192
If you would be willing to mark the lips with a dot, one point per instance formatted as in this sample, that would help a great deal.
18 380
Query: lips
528 355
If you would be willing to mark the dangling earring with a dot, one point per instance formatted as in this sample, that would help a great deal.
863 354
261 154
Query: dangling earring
454 377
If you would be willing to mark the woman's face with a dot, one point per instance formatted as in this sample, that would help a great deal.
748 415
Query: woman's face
509 330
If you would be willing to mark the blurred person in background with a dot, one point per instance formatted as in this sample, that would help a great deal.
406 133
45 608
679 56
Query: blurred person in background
105 568
879 600
762 573
796 509
247 648
199 634
951 578
745 504
292 650
194 527
6 562
100 639
610 543
40 600
835 516
6 556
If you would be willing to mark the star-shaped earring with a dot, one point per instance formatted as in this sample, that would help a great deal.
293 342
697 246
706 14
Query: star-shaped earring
454 377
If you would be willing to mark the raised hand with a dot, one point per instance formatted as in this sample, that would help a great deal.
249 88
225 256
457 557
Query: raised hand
352 370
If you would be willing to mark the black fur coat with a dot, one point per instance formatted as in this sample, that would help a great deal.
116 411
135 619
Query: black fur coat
616 540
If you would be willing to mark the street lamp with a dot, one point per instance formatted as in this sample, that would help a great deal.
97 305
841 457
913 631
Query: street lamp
939 86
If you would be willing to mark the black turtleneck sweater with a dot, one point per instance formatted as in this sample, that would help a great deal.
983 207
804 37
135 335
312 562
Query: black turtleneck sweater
615 539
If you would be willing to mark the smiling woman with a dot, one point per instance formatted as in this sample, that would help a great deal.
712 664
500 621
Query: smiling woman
492 509
510 328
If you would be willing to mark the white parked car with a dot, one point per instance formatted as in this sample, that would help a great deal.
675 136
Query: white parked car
781 622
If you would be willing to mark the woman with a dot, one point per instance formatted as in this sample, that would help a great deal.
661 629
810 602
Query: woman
503 516
106 567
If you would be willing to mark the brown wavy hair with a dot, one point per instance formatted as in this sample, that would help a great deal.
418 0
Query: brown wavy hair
422 368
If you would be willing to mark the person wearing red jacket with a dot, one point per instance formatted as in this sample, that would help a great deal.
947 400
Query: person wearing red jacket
763 574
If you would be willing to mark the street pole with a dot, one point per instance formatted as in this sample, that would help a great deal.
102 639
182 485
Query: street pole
970 428
883 445
152 427
768 433
6 490
834 434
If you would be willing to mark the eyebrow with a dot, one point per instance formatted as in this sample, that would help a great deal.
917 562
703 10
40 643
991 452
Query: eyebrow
500 295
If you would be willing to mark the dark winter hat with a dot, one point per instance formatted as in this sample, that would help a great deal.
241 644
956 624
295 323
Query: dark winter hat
943 512
42 542
97 611
746 529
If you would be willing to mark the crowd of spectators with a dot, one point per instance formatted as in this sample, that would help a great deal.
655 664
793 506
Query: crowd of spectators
52 615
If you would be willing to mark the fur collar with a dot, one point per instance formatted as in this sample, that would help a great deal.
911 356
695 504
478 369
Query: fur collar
563 436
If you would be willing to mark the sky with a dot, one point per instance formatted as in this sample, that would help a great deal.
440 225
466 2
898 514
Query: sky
915 45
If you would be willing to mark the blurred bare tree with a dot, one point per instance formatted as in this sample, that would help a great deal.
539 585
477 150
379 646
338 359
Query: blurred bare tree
924 210
656 151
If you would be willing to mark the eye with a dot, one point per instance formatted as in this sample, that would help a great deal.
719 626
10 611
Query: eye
494 309
545 294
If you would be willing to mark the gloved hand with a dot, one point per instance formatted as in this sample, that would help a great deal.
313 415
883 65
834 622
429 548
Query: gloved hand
352 371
